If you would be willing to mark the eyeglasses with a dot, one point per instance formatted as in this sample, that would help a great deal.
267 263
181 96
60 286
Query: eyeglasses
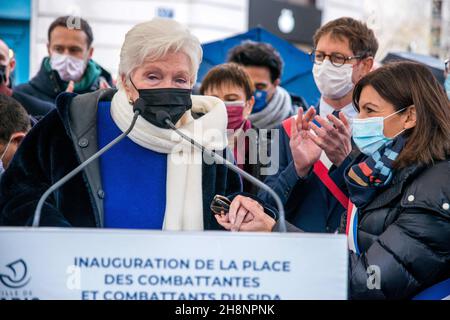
336 59
220 205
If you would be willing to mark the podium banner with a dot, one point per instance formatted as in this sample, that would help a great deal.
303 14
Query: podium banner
100 264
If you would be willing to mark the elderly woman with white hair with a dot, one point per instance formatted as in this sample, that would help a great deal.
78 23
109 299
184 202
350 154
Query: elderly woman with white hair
149 180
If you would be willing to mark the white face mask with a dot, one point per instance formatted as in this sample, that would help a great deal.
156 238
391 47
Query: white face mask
68 67
333 82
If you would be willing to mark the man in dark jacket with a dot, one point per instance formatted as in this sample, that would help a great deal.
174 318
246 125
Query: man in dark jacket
58 144
69 66
311 192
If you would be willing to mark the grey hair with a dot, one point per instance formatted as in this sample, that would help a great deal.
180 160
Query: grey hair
154 39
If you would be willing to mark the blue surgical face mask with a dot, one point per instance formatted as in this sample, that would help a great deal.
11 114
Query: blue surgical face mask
368 134
447 86
260 101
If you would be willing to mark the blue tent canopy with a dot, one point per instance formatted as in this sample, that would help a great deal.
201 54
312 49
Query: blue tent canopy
297 75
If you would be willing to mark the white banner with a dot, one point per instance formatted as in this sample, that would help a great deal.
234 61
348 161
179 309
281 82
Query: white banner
90 264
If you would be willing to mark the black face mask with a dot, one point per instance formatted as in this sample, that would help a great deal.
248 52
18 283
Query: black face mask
173 101
2 74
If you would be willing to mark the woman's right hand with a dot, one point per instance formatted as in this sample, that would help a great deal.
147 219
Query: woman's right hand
246 214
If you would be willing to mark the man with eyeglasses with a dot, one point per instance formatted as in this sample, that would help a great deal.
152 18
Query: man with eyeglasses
314 145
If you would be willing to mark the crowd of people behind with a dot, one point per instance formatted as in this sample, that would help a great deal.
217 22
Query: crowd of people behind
371 159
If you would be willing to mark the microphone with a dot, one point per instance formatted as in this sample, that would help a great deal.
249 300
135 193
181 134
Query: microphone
71 174
164 117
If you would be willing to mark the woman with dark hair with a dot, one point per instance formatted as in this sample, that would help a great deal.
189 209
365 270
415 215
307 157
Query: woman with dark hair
398 222
232 84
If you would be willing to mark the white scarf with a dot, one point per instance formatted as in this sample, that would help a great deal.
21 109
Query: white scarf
184 201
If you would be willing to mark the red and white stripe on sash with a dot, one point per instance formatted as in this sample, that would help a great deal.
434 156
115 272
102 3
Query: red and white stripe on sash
352 227
321 169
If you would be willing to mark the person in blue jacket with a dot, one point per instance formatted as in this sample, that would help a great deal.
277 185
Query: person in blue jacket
69 66
344 51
